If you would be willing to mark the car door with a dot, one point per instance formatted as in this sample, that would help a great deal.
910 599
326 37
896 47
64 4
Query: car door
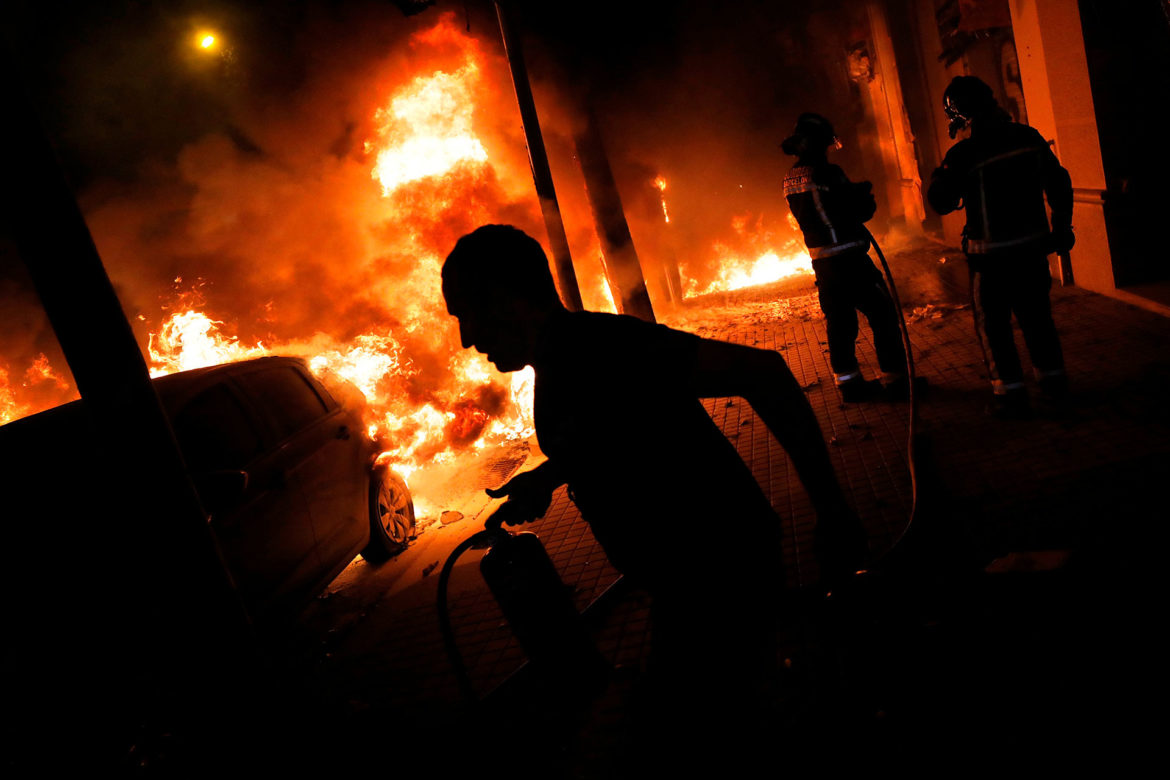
338 487
265 530
323 452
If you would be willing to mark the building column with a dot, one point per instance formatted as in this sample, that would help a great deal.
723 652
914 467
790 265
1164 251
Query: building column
904 189
562 261
1055 73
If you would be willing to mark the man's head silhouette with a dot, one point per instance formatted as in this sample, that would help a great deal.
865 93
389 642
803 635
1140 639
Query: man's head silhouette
497 283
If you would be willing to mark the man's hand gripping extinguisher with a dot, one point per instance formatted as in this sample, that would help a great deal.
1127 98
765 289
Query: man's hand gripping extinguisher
537 605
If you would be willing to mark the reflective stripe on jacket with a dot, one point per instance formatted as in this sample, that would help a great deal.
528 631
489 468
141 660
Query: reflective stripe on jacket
829 208
1000 176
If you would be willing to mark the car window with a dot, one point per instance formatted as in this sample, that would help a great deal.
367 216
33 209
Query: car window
323 391
214 432
288 397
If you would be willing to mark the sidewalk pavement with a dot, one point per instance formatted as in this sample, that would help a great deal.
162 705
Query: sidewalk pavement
1025 637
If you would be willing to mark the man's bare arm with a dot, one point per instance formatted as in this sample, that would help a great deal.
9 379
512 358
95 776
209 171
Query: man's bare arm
763 379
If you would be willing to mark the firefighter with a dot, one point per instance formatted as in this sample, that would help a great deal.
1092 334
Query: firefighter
1000 174
831 211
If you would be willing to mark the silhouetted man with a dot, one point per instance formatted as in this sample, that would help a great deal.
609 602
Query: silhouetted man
1000 175
618 415
832 212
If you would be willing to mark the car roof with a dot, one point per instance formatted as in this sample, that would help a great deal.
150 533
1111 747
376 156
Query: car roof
197 376
175 389
170 388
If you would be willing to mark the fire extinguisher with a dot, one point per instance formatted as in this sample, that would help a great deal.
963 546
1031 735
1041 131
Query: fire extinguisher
536 604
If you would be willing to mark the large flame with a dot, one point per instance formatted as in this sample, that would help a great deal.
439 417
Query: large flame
367 309
756 256
429 128
190 340
430 164
736 272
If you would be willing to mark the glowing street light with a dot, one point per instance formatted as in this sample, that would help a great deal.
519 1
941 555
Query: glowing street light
207 41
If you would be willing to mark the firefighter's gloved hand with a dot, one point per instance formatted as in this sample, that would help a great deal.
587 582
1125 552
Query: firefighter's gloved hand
528 497
864 201
1063 238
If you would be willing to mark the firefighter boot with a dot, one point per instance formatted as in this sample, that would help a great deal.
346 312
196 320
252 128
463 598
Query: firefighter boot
1011 405
897 387
858 388
1053 388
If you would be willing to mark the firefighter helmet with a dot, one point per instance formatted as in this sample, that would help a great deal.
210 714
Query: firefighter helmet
812 131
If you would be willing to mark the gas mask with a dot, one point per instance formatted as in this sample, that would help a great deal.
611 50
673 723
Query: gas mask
956 119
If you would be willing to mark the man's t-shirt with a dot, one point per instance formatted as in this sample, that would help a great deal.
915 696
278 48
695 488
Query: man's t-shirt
664 491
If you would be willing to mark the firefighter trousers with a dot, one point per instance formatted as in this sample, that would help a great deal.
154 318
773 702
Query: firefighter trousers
849 283
1017 283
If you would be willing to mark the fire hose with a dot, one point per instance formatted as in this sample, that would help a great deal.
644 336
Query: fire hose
913 437
484 539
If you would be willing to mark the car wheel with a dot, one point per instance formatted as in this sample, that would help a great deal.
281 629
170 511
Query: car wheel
391 516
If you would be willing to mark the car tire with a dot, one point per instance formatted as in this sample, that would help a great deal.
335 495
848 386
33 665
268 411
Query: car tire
391 516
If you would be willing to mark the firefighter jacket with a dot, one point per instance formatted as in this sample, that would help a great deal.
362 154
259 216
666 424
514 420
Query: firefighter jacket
1000 175
830 209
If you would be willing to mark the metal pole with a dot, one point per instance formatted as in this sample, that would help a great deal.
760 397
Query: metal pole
621 259
566 277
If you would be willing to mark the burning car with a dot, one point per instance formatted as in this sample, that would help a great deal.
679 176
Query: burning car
281 462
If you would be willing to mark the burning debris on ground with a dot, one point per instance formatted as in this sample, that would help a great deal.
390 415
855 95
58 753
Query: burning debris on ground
934 311
718 314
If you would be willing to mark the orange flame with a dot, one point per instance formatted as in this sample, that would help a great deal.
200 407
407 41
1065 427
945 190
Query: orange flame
660 183
737 272
39 388
413 435
10 408
42 371
365 364
431 122
426 158
192 340
760 263
426 399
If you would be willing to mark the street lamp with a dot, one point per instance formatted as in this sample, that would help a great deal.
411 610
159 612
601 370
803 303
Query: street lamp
207 41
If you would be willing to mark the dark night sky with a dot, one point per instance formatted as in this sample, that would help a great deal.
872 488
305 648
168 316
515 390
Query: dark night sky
117 82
